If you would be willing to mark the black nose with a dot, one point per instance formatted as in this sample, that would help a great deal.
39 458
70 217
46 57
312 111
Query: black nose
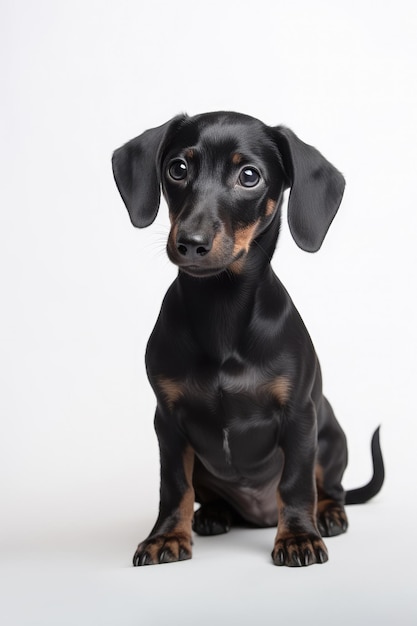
193 245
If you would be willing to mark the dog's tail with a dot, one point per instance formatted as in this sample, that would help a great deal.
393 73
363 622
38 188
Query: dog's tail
368 491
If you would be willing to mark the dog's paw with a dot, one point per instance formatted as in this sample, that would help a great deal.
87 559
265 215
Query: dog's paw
212 519
299 550
164 548
331 518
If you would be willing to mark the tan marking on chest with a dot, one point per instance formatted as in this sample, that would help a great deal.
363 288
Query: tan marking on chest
280 388
171 389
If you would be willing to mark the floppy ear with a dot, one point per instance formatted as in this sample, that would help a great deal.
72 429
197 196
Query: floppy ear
316 190
136 170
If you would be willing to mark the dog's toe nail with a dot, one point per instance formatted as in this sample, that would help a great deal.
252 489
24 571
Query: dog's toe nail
138 558
184 555
322 556
279 557
165 557
307 557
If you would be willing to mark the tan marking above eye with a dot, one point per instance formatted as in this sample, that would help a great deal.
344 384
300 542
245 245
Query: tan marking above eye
189 153
237 158
270 207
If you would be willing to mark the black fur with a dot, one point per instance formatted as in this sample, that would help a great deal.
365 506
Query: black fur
241 420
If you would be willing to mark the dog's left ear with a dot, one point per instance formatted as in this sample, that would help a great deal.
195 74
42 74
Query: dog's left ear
136 170
316 190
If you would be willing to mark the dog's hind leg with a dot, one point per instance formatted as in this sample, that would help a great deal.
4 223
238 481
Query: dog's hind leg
215 515
214 518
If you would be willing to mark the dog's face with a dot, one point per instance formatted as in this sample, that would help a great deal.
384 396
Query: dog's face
222 180
223 175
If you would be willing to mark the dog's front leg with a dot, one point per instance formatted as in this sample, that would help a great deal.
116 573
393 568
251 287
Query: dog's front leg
170 538
298 541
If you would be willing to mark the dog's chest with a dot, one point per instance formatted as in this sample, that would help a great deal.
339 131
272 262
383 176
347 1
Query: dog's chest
231 415
233 388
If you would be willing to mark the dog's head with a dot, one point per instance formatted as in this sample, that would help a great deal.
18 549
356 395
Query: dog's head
223 175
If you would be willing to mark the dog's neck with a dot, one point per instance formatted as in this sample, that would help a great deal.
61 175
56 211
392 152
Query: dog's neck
221 306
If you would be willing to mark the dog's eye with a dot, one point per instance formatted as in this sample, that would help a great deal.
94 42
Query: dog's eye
177 169
249 177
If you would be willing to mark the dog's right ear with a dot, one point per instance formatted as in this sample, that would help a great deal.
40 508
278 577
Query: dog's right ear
136 170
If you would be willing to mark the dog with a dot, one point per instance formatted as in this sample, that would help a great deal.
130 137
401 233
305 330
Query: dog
243 426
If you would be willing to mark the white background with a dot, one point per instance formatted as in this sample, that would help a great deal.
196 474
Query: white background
81 288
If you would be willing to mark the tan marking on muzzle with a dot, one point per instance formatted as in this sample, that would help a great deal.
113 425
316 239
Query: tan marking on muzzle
216 246
244 237
237 266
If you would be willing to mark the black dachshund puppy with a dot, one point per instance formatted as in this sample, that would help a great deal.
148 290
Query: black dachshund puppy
242 423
